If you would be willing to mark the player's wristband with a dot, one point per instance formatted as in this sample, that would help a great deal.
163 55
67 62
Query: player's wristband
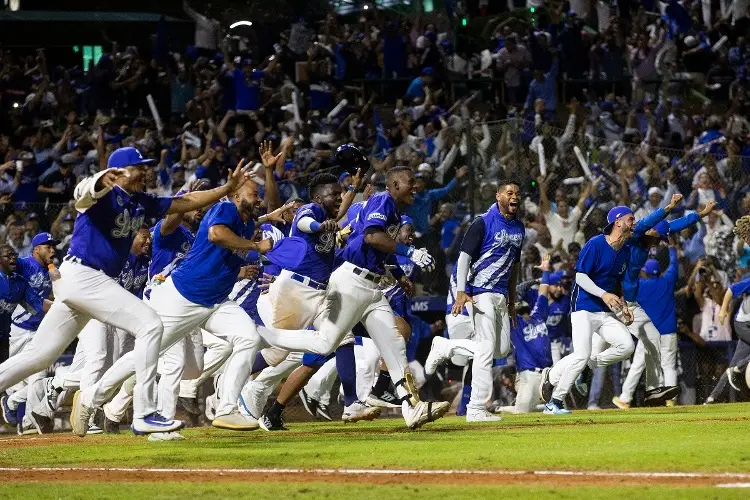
351 188
545 277
403 250
314 226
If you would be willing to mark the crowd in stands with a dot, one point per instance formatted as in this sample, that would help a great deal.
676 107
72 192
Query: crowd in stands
645 123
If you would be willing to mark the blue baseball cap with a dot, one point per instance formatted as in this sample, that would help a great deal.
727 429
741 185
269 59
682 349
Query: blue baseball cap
127 157
615 214
651 267
556 277
43 239
405 219
663 229
344 176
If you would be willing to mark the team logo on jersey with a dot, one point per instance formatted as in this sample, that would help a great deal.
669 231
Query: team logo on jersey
38 280
534 331
6 307
326 241
504 238
127 226
377 215
120 201
393 230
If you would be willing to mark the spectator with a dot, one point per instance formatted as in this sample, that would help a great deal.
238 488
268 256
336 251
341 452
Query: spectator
424 201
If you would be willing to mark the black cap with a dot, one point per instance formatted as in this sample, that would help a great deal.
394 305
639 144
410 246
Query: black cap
351 159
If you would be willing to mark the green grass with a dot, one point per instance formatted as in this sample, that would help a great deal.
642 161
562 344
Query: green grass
707 439
276 491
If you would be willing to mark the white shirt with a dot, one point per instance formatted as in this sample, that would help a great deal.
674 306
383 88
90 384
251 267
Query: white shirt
563 227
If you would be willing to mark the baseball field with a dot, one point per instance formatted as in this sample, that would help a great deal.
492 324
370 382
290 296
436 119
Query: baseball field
681 452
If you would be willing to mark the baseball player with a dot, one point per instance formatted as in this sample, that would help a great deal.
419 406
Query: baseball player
34 270
531 344
600 269
486 276
354 293
196 295
558 316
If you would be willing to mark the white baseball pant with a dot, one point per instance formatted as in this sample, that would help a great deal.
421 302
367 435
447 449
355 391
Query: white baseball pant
184 360
20 339
459 327
668 347
367 359
644 330
180 317
641 360
320 385
527 391
558 348
588 328
256 392
83 293
351 298
217 352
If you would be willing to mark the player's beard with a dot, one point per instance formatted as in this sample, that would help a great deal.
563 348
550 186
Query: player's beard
249 209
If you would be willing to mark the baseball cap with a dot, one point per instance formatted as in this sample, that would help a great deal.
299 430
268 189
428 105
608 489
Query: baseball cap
127 157
405 219
344 176
424 168
428 71
615 214
556 277
651 267
654 190
43 239
663 229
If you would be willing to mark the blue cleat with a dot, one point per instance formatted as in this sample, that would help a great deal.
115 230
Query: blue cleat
551 408
10 416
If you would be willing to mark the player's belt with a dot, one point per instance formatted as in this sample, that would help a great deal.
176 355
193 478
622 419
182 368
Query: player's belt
364 273
78 260
308 281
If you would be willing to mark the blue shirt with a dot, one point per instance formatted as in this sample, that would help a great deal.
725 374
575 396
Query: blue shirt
638 254
166 249
544 90
422 207
208 272
378 214
416 88
353 212
447 233
494 243
247 90
605 266
13 290
656 297
556 318
39 288
531 338
318 261
134 274
104 233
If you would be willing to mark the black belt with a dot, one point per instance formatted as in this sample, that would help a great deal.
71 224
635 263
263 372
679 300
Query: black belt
308 281
78 260
364 273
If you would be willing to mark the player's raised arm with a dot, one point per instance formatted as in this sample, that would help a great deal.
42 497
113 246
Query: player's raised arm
200 199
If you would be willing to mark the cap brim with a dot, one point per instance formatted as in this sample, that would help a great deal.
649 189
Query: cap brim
54 243
608 228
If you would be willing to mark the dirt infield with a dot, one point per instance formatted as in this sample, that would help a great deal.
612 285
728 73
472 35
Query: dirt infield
379 477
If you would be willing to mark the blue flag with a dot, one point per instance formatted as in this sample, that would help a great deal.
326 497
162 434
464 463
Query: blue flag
382 144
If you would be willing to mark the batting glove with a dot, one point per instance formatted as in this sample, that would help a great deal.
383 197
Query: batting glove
422 258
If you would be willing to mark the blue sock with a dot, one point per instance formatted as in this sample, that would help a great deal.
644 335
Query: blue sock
260 363
347 372
465 397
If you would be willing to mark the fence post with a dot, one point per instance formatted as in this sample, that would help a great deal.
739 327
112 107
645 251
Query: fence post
516 126
470 163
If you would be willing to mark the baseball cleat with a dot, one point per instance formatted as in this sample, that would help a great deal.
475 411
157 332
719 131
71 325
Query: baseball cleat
383 401
235 421
266 424
190 405
10 416
96 422
481 415
440 351
155 423
43 425
423 412
165 436
323 412
360 411
310 404
581 386
734 378
551 408
545 386
110 426
80 415
658 395
623 405
211 402
26 428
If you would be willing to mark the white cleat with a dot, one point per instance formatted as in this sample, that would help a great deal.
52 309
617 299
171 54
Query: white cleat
80 415
235 421
211 403
423 412
360 411
481 415
440 351
166 436
155 423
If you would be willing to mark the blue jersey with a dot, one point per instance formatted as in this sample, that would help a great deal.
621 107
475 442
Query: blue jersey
396 295
494 243
531 338
353 212
318 261
134 274
557 318
605 266
739 289
208 272
39 284
165 249
104 233
13 290
638 254
378 214
271 232
656 297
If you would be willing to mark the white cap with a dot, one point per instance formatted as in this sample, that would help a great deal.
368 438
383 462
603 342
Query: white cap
654 190
425 167
691 41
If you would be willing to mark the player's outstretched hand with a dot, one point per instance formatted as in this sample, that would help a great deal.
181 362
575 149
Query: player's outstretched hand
265 246
110 177
328 226
422 258
461 300
710 206
545 265
676 199
238 177
267 156
278 214
613 302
